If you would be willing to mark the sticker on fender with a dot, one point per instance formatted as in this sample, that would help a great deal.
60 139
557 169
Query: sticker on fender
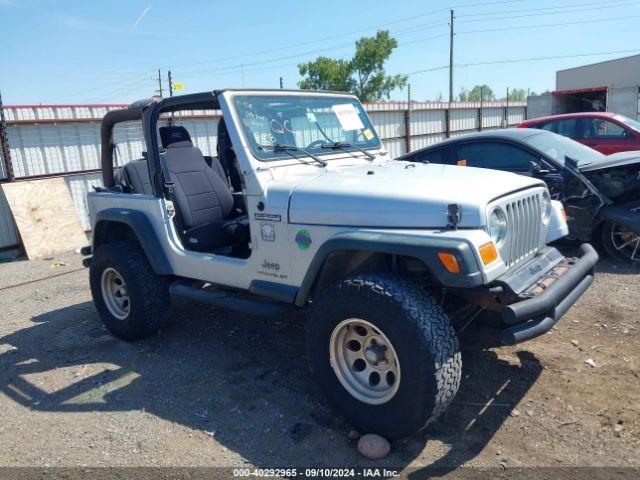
348 116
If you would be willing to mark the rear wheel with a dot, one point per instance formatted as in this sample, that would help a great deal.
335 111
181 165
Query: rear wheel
130 297
621 243
384 352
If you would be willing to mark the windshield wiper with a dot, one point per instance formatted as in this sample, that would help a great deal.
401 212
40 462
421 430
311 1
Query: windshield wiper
289 149
344 145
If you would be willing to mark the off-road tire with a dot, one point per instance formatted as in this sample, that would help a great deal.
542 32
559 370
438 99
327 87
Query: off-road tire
148 291
422 337
610 249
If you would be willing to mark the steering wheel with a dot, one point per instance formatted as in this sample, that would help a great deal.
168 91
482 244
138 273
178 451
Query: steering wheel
317 143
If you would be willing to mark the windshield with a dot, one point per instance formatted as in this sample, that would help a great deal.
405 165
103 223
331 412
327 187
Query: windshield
628 121
559 147
302 123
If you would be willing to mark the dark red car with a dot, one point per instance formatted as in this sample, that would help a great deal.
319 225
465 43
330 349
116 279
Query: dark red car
603 131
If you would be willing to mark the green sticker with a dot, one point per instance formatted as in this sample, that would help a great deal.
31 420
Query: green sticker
303 239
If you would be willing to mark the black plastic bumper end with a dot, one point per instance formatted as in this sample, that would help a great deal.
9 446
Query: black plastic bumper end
532 317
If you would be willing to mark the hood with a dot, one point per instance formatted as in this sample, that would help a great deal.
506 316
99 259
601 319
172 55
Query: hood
616 177
620 159
400 194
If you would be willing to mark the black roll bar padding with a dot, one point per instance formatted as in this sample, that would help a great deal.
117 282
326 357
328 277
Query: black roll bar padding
136 111
106 138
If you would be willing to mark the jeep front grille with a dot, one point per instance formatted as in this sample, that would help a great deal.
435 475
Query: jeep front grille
524 228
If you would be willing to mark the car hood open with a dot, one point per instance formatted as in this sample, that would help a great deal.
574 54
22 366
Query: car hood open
400 194
620 159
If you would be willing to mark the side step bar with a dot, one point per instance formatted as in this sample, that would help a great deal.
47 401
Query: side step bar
227 300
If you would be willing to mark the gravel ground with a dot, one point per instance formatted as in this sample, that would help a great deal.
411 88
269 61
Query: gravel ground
222 389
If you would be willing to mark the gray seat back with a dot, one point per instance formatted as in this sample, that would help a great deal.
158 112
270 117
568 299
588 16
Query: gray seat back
201 193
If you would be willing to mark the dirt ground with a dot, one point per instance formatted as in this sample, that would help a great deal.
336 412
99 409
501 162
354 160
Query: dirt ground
222 389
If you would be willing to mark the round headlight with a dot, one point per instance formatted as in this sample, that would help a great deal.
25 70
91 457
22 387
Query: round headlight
498 226
546 207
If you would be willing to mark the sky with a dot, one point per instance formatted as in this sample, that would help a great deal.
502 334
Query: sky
67 51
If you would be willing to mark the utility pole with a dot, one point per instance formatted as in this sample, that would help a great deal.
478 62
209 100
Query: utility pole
4 144
506 112
281 83
451 57
409 94
242 74
170 83
159 83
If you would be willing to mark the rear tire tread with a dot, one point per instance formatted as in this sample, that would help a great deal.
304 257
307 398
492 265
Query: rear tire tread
148 290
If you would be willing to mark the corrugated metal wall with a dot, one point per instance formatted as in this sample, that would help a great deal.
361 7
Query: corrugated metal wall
63 139
8 230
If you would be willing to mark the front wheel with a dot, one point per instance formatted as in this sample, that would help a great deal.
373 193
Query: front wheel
621 243
384 352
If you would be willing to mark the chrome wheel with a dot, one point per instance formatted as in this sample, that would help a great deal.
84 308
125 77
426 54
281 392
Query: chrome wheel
364 361
114 293
626 242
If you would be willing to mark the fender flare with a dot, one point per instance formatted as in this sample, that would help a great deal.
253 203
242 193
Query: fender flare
423 248
143 230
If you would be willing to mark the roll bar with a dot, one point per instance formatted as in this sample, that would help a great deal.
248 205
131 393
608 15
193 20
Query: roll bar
134 112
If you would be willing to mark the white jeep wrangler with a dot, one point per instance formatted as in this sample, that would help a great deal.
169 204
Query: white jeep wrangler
303 207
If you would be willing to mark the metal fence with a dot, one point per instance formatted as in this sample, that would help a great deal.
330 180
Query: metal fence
64 140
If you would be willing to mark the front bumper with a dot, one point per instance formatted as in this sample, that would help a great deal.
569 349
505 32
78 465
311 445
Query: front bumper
551 295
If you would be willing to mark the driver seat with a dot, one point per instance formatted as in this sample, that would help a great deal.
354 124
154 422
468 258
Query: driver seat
204 202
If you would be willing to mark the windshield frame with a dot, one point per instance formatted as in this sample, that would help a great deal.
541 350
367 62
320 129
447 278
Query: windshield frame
268 155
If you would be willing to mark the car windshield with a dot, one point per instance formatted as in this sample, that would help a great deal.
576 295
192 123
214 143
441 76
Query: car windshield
277 125
559 147
629 121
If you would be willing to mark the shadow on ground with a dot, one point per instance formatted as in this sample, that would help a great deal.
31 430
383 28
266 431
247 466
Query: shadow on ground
245 381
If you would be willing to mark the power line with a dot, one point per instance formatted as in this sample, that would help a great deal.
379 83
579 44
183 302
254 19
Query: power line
555 57
563 24
353 32
100 88
608 7
350 44
503 12
519 60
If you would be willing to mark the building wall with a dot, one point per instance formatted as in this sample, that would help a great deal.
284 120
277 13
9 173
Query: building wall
619 73
65 140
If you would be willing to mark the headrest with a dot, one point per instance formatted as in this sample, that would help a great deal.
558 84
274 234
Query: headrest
171 136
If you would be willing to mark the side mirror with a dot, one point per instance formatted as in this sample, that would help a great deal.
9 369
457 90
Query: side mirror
534 168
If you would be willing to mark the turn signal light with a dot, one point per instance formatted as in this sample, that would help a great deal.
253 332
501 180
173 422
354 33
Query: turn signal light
488 253
449 261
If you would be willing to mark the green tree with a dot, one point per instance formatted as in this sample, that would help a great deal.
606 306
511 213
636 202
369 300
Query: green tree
517 95
326 74
480 92
463 95
363 75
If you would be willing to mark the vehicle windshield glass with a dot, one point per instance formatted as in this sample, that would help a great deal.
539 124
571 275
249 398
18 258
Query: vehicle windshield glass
629 121
559 147
303 123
